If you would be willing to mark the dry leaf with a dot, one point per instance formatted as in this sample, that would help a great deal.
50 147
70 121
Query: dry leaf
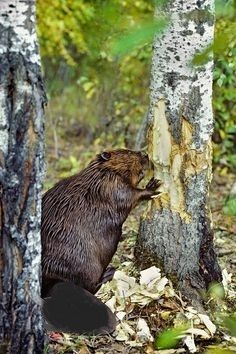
112 304
134 344
165 315
143 331
121 334
149 274
198 332
189 342
208 323
121 315
226 279
161 284
124 331
125 285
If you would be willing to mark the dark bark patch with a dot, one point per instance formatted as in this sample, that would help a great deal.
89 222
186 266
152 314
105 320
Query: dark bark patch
208 265
186 33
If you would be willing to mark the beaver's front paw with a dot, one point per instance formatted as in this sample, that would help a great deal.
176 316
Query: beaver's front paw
153 184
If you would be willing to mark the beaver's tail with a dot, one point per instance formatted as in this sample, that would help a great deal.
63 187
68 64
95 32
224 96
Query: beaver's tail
70 308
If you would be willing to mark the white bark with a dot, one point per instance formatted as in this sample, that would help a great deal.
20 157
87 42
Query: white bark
186 89
21 171
177 230
19 16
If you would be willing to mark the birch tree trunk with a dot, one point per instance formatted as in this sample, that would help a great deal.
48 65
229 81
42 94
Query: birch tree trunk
177 230
22 100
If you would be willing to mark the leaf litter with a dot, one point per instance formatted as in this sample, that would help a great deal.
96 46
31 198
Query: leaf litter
129 298
127 293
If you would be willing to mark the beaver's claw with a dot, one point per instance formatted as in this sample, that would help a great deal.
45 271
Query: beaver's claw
153 184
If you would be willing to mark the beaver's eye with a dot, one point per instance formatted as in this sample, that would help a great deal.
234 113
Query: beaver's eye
105 155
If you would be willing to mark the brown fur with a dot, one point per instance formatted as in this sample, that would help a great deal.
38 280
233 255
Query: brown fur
83 216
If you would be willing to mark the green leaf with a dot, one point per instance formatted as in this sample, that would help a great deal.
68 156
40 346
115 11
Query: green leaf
169 338
219 351
216 291
142 35
230 323
230 207
232 160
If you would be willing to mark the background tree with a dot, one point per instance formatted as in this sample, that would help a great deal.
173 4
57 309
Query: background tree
22 100
177 229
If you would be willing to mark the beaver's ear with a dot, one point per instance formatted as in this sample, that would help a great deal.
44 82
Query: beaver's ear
105 155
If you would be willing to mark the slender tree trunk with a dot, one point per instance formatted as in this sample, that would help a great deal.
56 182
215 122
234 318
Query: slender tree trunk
22 99
176 230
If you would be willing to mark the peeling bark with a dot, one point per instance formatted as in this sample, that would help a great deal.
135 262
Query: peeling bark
22 100
177 230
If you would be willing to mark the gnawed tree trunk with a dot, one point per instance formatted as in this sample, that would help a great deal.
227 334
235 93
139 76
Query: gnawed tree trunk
21 168
176 230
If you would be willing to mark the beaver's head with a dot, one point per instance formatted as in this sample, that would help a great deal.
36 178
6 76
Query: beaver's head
131 165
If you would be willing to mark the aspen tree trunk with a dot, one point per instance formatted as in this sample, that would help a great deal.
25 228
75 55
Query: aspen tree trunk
176 230
22 100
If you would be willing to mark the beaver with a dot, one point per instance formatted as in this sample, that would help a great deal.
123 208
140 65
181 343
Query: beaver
82 218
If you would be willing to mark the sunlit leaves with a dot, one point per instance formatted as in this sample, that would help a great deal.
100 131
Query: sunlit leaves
70 28
60 27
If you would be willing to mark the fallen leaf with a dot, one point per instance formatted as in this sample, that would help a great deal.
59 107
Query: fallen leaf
134 344
165 315
125 285
189 342
143 331
123 332
112 304
227 278
208 323
121 315
149 274
161 284
198 332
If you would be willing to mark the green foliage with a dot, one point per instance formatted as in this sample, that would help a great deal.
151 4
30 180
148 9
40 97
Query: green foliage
84 80
216 291
138 36
219 351
230 206
230 324
70 29
61 25
169 338
96 57
224 93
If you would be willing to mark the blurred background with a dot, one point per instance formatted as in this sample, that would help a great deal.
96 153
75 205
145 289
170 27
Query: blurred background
96 58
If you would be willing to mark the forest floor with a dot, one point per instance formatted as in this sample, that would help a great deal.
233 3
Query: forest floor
149 315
